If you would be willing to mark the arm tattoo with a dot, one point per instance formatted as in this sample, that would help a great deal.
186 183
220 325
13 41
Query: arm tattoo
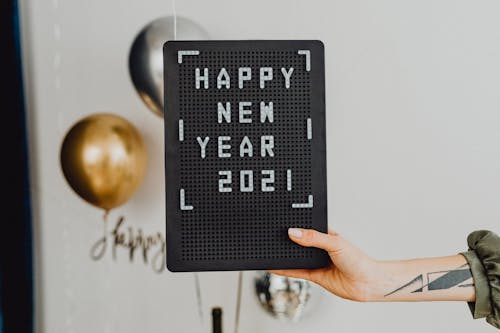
459 277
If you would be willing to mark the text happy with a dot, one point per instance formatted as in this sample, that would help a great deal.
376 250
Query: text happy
244 74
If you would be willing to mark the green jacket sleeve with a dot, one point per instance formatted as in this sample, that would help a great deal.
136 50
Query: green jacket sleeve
484 261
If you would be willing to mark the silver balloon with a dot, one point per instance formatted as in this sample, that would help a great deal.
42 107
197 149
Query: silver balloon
282 297
146 56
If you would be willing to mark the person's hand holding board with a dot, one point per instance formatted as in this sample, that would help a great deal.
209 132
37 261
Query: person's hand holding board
472 276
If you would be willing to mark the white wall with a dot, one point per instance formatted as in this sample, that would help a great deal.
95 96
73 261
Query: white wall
413 114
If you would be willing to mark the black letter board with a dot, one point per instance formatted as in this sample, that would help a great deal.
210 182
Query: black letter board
245 153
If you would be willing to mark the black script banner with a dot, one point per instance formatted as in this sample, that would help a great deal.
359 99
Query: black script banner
135 242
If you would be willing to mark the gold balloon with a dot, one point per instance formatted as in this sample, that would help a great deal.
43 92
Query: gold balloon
104 160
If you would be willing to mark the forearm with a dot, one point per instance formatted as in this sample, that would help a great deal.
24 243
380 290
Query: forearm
432 279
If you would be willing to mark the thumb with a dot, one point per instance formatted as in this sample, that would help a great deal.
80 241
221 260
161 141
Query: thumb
331 242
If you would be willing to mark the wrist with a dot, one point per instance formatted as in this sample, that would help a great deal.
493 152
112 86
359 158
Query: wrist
381 279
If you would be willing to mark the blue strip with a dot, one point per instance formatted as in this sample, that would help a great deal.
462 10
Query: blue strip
24 257
28 262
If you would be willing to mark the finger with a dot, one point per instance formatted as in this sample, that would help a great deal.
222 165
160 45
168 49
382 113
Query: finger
314 275
332 232
293 273
313 238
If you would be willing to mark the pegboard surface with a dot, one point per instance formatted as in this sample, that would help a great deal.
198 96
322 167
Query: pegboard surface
232 197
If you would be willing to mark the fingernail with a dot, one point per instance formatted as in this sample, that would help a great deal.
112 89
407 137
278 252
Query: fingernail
297 233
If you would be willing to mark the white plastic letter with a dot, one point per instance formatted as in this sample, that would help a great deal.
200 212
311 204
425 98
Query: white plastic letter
308 204
266 111
224 181
287 76
306 53
266 74
223 79
203 145
267 182
244 74
244 187
244 112
181 130
182 53
226 112
182 199
246 147
266 145
223 146
200 78
309 129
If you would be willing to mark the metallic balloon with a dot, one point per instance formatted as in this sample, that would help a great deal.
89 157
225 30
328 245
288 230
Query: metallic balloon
103 158
282 297
146 56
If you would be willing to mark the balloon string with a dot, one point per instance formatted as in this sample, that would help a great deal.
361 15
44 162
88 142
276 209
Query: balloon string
174 12
113 316
198 296
238 302
99 248
105 225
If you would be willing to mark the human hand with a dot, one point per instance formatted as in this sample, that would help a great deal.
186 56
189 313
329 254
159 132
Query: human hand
354 275
351 274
